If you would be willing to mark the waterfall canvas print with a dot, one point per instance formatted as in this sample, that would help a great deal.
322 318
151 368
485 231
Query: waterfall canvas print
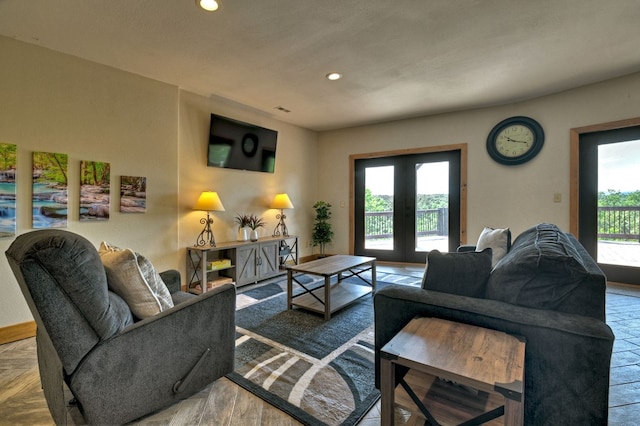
133 194
50 182
7 189
95 183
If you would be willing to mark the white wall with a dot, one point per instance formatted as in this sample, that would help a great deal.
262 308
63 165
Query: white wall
58 103
244 191
498 196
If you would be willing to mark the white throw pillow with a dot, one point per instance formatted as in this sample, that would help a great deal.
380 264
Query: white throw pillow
498 240
132 276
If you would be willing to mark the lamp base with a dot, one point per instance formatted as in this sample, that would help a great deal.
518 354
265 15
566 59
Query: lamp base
206 236
281 227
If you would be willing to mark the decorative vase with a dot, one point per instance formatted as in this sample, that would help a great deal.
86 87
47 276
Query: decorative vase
243 234
254 235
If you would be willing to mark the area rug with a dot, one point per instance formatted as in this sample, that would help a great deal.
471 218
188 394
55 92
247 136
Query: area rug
320 372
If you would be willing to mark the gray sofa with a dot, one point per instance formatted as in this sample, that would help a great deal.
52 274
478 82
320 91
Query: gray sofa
117 368
548 290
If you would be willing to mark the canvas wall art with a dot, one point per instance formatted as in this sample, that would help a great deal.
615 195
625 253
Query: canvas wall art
95 184
8 189
50 182
133 194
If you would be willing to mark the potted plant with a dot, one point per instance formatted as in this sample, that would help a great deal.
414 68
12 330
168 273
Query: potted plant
322 233
243 221
255 222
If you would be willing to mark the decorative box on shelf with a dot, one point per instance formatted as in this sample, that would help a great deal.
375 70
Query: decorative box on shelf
218 281
218 264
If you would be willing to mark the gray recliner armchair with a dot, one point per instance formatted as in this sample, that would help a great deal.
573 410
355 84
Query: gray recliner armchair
117 369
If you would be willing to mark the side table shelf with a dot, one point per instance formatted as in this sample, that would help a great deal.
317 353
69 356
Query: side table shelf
240 262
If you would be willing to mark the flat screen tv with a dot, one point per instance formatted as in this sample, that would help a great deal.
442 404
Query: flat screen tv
237 145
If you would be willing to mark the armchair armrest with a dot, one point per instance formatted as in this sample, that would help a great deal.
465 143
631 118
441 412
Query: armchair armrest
171 278
137 369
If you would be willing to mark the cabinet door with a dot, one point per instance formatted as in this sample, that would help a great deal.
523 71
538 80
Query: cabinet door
247 264
268 263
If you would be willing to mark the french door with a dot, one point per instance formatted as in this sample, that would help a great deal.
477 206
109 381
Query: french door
609 201
407 205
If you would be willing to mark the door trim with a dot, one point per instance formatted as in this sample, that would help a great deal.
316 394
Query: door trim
441 148
574 172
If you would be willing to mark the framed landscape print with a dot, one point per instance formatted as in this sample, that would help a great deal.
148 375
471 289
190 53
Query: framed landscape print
50 182
7 189
133 194
95 185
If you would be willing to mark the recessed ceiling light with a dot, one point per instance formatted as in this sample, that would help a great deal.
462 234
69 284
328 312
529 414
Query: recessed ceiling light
334 76
208 5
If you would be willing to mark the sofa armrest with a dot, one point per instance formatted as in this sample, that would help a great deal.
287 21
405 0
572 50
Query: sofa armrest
172 280
466 248
567 356
137 369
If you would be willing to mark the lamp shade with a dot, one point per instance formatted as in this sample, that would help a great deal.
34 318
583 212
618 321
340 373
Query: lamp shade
281 201
209 201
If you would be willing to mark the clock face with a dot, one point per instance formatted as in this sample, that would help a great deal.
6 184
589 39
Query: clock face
249 144
515 140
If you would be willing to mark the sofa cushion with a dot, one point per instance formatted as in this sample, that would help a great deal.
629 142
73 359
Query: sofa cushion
133 277
497 239
544 270
464 274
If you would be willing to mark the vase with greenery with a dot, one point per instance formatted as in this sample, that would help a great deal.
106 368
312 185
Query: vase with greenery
243 221
255 222
322 233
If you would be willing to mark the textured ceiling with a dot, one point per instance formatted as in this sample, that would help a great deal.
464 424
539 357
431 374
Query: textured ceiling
400 58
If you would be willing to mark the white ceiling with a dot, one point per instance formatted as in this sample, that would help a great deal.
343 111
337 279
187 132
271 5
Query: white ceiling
400 58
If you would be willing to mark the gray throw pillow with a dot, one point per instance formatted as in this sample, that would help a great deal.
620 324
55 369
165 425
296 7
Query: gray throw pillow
464 274
132 276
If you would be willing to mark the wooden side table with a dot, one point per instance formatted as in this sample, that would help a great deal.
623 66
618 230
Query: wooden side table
488 361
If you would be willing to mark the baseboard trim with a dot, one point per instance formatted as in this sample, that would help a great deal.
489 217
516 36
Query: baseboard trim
17 332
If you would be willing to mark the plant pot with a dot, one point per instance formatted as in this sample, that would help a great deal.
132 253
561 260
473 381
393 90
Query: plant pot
243 234
254 235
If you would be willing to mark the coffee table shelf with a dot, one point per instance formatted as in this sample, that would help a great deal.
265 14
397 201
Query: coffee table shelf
342 294
330 297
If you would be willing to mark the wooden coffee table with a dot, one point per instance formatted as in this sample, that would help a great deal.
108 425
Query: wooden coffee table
331 297
480 361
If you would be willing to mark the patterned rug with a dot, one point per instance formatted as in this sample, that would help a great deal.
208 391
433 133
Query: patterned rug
320 372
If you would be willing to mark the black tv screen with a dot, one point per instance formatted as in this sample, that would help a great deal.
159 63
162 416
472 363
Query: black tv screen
237 145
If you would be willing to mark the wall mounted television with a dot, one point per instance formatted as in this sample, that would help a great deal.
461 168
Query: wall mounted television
237 145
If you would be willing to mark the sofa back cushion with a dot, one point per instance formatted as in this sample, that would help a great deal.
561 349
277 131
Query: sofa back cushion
548 269
464 273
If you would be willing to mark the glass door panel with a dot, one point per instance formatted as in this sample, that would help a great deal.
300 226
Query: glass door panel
406 205
432 207
378 208
619 203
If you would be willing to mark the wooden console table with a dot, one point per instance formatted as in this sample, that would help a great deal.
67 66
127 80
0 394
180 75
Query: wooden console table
485 362
331 296
251 261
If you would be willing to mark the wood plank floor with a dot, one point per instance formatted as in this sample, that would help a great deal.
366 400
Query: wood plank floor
224 403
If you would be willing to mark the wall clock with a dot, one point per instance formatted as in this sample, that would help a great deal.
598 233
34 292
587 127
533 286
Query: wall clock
249 144
515 140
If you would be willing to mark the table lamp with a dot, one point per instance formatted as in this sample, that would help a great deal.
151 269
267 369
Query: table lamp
209 202
281 201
